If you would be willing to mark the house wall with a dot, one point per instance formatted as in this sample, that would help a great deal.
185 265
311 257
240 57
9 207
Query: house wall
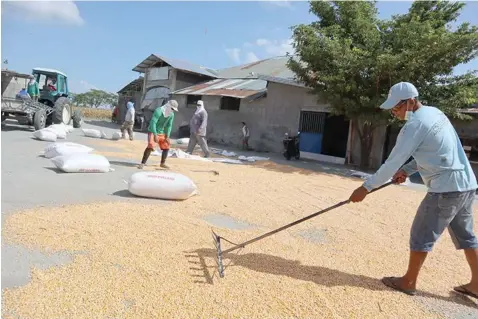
268 118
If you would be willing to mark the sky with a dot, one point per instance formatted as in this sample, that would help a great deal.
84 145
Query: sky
97 44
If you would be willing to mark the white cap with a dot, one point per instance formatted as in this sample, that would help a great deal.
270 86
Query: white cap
174 105
399 92
200 103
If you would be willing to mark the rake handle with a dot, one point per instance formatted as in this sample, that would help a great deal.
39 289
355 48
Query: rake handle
298 221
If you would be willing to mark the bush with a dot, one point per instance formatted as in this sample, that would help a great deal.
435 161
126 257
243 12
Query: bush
91 113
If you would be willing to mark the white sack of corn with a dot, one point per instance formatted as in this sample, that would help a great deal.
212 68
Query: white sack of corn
60 132
184 140
116 136
93 133
162 185
65 148
45 135
82 163
60 127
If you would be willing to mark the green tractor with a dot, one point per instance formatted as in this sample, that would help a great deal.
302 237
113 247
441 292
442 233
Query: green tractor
53 105
54 93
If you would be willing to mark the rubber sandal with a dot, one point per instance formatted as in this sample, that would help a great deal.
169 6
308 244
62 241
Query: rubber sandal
464 291
390 282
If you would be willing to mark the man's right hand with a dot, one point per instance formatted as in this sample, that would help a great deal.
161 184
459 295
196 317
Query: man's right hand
400 177
156 139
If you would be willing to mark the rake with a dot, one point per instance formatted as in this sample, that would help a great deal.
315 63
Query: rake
218 239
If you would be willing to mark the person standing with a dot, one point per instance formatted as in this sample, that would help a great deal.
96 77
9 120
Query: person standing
198 130
430 138
33 89
128 123
245 136
159 131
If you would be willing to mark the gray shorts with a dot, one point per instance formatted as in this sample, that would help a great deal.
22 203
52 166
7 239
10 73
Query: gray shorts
438 211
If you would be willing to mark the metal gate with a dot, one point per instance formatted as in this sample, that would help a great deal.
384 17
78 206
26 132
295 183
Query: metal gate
311 128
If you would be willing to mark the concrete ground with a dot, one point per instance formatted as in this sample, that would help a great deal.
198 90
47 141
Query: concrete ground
30 180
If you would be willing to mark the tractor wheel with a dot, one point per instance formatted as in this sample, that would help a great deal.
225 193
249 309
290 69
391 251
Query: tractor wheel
39 119
62 112
77 119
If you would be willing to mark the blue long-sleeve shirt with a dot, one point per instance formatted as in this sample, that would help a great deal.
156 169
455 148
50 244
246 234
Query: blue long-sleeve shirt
437 153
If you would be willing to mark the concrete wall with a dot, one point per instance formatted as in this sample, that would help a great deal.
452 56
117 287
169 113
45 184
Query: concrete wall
268 118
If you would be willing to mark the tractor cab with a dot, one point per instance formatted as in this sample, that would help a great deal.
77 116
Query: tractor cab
53 84
54 92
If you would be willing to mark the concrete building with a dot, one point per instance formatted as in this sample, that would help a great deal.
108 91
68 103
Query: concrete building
270 106
159 76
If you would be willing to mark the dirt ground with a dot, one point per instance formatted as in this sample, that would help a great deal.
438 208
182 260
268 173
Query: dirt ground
142 260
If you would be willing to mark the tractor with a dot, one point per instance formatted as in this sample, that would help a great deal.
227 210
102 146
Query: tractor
53 105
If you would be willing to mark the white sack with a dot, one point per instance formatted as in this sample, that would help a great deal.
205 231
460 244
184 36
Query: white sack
116 136
60 127
92 133
177 153
162 185
69 128
82 163
45 135
184 140
252 158
65 148
60 133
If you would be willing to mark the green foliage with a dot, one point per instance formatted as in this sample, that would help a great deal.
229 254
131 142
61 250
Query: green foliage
352 58
95 98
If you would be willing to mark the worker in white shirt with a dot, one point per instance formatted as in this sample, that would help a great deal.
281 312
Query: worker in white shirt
245 136
128 121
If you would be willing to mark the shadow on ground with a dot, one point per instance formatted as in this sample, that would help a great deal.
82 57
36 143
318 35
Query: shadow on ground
279 266
124 163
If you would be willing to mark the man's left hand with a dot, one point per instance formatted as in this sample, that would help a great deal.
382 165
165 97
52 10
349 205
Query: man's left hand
358 195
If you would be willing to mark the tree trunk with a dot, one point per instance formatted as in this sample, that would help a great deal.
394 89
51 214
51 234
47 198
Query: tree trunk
365 132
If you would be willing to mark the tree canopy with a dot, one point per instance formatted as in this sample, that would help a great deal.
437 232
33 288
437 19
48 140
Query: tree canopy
95 98
351 58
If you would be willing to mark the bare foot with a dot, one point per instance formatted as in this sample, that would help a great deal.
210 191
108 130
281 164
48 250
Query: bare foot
164 166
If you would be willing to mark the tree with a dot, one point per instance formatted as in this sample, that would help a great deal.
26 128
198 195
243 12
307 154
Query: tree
95 98
351 58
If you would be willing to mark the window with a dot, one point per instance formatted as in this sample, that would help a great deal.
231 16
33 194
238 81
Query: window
61 84
192 100
155 97
230 103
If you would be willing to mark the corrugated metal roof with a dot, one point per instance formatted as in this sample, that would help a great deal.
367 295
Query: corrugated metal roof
240 88
280 80
132 85
275 67
177 64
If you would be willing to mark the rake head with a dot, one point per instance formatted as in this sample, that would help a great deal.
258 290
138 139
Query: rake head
217 244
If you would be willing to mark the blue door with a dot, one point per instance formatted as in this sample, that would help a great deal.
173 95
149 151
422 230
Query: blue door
311 128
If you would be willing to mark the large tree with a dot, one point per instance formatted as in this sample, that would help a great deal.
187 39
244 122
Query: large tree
95 98
351 58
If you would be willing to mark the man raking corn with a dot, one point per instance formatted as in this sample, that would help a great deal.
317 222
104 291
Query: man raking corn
429 137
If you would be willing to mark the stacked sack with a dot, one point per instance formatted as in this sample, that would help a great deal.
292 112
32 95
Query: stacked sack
53 132
76 158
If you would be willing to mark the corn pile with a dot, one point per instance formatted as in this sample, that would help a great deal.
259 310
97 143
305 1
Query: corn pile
157 260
